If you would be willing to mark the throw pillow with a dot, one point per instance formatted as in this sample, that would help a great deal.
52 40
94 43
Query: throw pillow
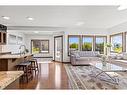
119 57
125 56
77 55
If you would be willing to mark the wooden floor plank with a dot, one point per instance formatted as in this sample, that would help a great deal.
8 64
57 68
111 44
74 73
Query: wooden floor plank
50 76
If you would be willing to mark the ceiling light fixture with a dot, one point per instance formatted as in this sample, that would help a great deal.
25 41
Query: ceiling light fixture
36 31
5 17
79 23
30 18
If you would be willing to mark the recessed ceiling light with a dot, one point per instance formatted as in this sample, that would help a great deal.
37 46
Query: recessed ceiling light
5 17
30 18
36 31
79 23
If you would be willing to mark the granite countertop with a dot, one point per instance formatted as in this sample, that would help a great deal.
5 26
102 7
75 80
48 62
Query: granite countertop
13 56
7 77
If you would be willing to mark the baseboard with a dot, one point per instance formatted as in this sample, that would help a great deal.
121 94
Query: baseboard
62 62
44 57
66 62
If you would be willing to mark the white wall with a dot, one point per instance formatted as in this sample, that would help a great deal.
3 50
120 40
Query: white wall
14 48
86 31
29 37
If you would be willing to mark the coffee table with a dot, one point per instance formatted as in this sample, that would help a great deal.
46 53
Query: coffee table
109 70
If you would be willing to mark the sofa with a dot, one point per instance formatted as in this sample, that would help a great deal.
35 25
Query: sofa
84 57
118 58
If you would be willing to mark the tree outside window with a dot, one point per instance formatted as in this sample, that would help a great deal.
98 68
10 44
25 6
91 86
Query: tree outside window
87 44
99 44
73 43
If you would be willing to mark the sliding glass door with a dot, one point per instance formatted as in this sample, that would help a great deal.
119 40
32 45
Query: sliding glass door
58 48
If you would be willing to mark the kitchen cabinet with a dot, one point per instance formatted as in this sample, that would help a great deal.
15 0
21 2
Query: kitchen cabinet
3 34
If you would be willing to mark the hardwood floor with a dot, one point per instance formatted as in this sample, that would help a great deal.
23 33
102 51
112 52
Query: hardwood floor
50 76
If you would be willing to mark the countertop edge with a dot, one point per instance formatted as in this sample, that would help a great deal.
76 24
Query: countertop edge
5 84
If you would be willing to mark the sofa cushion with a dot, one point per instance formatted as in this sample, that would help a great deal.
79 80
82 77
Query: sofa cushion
82 59
94 58
97 53
87 59
113 56
88 53
119 56
125 56
77 55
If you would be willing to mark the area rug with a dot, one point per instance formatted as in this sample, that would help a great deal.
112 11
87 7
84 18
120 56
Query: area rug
80 78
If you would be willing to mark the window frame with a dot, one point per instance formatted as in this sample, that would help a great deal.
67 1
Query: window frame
79 36
81 41
41 40
122 41
86 37
99 37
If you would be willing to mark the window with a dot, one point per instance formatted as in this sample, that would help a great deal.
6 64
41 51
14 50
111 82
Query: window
99 44
40 46
12 39
73 43
117 43
87 44
19 40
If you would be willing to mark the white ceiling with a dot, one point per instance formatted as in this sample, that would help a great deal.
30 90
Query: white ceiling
63 16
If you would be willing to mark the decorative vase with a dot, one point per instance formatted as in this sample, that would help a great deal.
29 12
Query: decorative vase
104 60
108 51
104 63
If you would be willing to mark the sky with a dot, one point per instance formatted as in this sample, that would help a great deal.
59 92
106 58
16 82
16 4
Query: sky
73 40
117 39
88 39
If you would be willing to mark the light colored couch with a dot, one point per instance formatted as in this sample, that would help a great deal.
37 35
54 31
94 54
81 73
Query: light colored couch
84 57
118 58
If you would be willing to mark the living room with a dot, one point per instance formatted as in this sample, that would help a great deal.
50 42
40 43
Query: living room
68 45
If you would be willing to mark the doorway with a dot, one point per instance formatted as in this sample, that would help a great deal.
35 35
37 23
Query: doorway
58 48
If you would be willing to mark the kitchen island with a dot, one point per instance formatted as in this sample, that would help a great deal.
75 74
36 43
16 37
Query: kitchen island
10 79
8 62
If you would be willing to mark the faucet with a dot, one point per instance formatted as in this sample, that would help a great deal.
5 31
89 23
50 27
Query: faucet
24 49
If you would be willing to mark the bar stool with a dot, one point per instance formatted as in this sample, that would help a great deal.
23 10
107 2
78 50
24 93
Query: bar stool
27 68
34 65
